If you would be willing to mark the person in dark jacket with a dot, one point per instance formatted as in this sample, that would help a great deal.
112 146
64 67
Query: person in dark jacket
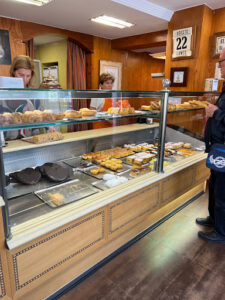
215 133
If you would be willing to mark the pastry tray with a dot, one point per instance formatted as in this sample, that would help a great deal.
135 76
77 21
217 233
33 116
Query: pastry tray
73 190
30 140
123 169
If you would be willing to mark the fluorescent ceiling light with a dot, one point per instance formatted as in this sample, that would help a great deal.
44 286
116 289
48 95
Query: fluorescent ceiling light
147 7
35 2
110 21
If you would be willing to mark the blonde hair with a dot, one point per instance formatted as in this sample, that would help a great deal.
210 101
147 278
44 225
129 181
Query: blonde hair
106 76
22 62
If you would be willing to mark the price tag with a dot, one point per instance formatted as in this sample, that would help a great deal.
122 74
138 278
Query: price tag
182 42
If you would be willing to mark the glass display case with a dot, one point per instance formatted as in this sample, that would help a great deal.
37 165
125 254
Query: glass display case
56 151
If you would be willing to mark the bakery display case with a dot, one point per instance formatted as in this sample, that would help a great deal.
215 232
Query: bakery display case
63 176
40 176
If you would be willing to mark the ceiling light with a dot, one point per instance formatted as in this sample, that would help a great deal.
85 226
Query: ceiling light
35 2
110 21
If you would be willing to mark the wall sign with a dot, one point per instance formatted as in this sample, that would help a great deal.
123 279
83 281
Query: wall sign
182 43
218 43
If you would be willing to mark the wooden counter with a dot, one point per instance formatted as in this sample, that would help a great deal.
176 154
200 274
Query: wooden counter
50 251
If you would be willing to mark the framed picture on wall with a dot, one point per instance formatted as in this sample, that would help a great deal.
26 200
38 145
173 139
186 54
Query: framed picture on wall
178 76
115 69
218 43
5 52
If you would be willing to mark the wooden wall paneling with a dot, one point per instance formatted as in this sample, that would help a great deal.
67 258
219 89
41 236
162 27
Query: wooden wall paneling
182 19
136 67
30 30
16 41
218 26
90 71
42 259
203 58
142 41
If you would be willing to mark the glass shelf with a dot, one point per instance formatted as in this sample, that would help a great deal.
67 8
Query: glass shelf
77 121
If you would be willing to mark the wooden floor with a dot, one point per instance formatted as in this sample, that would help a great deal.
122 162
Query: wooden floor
171 262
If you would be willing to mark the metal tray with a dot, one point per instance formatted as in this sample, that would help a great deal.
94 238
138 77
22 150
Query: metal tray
72 191
77 162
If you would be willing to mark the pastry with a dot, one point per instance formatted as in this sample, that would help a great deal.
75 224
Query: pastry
124 111
59 116
140 171
94 171
57 198
101 170
187 145
146 107
156 105
17 118
7 118
88 112
73 114
113 110
37 116
131 110
171 107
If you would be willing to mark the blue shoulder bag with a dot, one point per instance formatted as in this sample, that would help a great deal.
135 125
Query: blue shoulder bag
216 158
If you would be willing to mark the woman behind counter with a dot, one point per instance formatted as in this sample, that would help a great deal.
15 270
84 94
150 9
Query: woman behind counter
22 67
106 81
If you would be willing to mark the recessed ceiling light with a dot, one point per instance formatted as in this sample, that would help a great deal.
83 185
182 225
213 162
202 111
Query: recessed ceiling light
110 21
35 2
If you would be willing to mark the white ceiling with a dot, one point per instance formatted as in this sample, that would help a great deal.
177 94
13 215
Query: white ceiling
147 15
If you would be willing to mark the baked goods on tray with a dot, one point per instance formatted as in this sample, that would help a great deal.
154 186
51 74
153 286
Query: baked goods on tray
140 171
57 198
113 164
96 171
46 137
100 156
30 117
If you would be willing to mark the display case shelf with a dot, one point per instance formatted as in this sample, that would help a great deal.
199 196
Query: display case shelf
97 118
